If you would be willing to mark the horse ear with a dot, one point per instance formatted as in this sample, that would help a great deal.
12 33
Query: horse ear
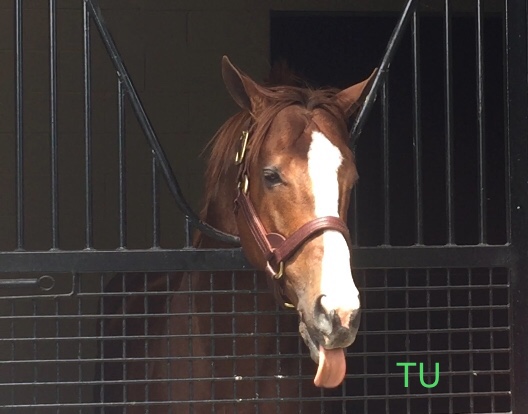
352 98
246 92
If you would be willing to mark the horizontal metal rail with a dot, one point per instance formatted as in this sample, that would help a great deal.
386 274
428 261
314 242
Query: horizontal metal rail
161 260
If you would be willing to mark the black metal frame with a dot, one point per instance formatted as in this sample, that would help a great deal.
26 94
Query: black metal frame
513 255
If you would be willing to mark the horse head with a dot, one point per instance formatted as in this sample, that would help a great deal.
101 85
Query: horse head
294 177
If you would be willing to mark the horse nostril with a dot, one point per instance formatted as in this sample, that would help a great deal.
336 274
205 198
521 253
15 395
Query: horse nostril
323 320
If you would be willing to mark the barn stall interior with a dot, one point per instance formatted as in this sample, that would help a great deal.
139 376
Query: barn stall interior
437 219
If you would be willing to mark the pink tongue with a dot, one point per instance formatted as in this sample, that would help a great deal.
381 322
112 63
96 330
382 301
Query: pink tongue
332 368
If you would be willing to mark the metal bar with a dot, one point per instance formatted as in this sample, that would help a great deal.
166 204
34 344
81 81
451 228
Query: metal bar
481 125
188 232
162 260
355 221
87 131
417 128
448 124
385 146
470 342
155 205
150 134
392 46
449 339
19 125
19 283
516 129
53 126
121 133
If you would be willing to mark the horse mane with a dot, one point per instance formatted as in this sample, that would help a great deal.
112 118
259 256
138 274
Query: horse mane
225 142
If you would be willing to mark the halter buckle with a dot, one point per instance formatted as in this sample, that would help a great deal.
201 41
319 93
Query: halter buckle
239 156
243 184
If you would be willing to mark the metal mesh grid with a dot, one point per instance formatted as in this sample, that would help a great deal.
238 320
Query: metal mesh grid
63 356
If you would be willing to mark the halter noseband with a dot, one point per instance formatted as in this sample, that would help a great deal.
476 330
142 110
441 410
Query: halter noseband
275 248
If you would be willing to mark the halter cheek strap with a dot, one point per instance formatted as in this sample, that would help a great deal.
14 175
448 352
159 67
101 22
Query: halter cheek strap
274 248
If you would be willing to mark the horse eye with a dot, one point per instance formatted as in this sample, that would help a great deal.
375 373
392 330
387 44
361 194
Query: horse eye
272 178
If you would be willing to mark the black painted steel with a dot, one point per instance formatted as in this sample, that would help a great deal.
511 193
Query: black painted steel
148 129
481 124
19 99
516 128
383 69
417 128
122 165
87 78
53 126
413 297
448 67
158 260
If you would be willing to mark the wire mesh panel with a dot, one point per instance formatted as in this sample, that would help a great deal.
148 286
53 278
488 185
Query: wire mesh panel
129 344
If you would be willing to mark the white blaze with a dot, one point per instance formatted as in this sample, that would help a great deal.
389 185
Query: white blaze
324 160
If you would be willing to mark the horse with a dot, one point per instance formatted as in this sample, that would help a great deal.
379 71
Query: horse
279 176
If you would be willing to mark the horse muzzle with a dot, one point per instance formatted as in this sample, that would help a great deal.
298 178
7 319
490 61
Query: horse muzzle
327 333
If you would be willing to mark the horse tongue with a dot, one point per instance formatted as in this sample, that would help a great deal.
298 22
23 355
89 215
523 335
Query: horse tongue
332 367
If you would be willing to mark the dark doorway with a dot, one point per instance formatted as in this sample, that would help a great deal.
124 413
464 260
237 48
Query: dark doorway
341 49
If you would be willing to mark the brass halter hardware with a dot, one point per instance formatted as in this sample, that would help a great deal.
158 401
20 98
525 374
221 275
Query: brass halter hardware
280 273
239 156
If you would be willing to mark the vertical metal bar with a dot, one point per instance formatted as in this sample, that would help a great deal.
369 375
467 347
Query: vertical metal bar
355 230
168 334
155 204
79 344
146 342
364 342
417 128
101 345
449 124
19 124
124 335
234 333
190 306
278 363
449 339
53 126
386 347
491 340
255 294
470 342
87 130
428 335
12 314
481 125
188 231
385 145
407 336
516 133
121 132
57 350
213 342
35 352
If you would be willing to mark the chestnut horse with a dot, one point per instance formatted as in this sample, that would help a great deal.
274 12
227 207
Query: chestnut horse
286 195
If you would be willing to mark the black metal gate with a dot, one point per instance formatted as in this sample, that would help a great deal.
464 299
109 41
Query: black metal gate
442 260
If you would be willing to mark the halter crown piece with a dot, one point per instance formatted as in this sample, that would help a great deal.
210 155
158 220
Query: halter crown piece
275 248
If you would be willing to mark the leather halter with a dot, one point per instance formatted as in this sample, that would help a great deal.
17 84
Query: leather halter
275 248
